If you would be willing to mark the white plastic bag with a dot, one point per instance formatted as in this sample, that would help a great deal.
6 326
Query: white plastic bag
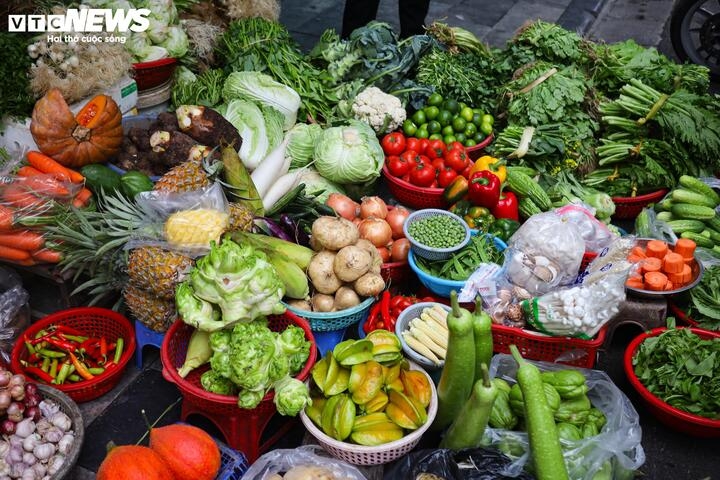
619 441
594 232
278 462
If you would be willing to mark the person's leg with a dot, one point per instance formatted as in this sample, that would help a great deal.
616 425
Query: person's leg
357 14
412 16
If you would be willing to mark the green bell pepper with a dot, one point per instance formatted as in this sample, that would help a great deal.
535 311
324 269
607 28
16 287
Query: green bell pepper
479 218
503 228
460 208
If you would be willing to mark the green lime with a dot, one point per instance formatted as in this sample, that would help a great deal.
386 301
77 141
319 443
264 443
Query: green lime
419 117
436 136
467 114
470 129
486 128
448 139
477 119
434 126
435 100
431 112
424 126
409 128
487 118
478 110
470 142
451 105
422 133
460 137
444 117
462 105
458 124
448 130
479 137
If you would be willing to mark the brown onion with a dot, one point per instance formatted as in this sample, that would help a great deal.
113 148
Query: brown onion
399 250
396 218
343 205
376 230
373 207
384 254
5 377
17 379
15 411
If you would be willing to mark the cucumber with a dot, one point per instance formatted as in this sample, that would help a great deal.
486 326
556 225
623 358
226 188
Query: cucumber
99 177
680 226
664 216
700 240
692 212
714 223
680 195
664 205
697 185
713 235
642 223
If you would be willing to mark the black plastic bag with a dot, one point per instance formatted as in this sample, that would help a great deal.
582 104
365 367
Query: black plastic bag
444 464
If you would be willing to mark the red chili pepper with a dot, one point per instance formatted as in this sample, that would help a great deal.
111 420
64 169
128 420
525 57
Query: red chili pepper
70 330
385 306
103 349
62 344
37 373
80 368
370 323
33 358
42 338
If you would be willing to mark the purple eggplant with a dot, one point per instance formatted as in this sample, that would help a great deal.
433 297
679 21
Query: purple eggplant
294 229
269 226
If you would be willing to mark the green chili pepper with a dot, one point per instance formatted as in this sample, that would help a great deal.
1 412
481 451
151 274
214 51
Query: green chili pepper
74 377
96 370
64 371
45 367
44 352
53 367
118 350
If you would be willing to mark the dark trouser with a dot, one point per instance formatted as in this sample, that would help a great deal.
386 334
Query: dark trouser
359 12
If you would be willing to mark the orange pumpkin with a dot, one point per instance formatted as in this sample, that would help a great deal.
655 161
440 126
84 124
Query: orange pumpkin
131 462
189 452
94 135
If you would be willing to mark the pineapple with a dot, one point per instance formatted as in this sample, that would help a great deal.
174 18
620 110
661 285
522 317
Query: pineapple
188 176
195 228
157 270
153 312
241 217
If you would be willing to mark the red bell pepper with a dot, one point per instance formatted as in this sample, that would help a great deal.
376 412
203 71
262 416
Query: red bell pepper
484 189
506 207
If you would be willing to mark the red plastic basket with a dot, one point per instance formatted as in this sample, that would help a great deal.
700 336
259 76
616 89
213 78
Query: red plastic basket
412 196
152 74
95 322
630 207
174 349
478 150
672 417
535 346
395 272
681 315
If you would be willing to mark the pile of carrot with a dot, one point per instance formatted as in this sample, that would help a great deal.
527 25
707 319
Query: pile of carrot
35 189
662 267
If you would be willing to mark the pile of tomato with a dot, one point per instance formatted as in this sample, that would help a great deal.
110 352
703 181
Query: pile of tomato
423 162
385 312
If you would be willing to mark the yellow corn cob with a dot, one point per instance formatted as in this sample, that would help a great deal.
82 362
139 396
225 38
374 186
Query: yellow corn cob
416 345
437 335
427 341
193 228
438 315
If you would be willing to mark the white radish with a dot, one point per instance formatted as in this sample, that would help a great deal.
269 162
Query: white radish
281 186
270 169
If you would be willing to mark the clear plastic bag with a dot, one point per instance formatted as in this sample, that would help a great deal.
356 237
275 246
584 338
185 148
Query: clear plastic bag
14 311
183 222
275 463
654 228
618 446
544 253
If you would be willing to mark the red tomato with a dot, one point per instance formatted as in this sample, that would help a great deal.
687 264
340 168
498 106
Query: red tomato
422 175
411 157
405 302
435 149
412 143
424 160
455 146
439 164
393 143
424 142
466 172
434 184
446 176
395 312
396 300
397 166
456 159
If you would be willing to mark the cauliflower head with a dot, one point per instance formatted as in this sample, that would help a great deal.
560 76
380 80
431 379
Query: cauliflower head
382 111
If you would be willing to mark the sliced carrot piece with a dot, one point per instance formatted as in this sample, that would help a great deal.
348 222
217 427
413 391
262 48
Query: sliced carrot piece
685 247
635 258
635 282
669 286
656 248
655 281
638 251
673 263
687 275
651 264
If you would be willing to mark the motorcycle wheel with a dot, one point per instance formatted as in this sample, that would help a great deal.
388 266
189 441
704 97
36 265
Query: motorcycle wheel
695 33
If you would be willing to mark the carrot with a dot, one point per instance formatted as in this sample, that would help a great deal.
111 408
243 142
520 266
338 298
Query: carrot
638 251
675 278
635 258
14 254
47 255
28 171
46 164
673 263
82 198
651 264
16 196
669 286
685 247
45 185
656 248
687 275
7 218
75 176
655 281
635 282
22 240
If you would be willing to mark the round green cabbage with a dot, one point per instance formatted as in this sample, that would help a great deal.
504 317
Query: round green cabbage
349 154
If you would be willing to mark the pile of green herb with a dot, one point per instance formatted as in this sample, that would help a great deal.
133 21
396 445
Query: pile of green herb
705 299
681 369
204 89
15 99
465 261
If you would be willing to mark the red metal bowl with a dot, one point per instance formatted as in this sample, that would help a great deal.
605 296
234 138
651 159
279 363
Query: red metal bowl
672 417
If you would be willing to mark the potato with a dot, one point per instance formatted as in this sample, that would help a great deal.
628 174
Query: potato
321 272
345 297
351 263
376 262
369 285
299 304
334 233
323 303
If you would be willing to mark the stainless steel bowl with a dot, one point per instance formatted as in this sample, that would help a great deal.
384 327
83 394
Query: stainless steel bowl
695 266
